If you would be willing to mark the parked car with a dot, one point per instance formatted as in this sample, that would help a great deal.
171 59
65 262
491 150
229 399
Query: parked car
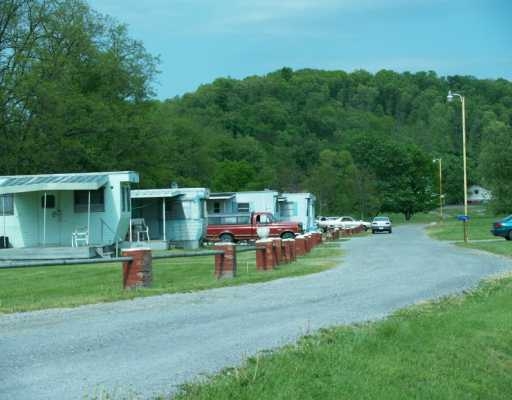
344 222
503 228
381 224
326 222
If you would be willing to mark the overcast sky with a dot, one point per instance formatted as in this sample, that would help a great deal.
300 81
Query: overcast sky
200 40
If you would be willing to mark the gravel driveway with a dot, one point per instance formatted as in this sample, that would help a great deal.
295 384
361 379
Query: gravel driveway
148 346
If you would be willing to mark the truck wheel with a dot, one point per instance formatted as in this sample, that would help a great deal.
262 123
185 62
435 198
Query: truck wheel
227 238
287 235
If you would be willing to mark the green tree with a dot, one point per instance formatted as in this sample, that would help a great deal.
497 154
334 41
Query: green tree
74 88
496 164
333 181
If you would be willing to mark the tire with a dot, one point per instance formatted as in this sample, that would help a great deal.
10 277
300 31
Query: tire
390 230
373 231
227 238
509 236
287 235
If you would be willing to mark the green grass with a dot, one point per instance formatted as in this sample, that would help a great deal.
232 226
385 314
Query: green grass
479 233
500 246
69 286
458 348
419 218
450 228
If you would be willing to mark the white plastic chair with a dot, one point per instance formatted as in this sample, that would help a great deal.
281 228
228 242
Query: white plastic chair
80 236
140 228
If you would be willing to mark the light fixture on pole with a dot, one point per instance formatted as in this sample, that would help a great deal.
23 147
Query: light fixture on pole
440 161
465 217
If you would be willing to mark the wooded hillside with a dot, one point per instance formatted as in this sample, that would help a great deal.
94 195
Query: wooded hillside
76 95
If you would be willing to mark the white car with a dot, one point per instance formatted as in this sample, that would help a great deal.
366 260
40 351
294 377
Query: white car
351 223
381 224
326 222
344 222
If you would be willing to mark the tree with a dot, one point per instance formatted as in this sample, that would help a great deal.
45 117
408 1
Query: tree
333 181
403 172
74 88
496 164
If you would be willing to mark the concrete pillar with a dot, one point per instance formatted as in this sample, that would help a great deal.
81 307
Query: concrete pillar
138 272
277 250
260 254
300 245
225 264
288 247
317 238
269 255
293 248
265 254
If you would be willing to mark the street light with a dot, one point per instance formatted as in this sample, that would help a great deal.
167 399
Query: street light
450 97
440 161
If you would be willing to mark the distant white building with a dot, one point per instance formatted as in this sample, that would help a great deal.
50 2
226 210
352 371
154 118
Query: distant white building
478 195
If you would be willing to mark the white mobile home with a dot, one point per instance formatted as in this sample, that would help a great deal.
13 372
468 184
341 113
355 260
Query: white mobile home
221 203
90 209
298 207
257 201
478 195
173 216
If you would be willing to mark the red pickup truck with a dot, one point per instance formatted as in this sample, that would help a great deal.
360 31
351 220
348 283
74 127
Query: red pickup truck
235 227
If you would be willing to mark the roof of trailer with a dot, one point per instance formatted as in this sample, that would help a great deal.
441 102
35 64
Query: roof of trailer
69 181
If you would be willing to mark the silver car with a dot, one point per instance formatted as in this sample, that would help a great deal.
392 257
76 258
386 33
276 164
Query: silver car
381 224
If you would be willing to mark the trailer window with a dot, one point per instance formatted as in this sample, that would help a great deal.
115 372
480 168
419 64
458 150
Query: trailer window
243 207
97 200
7 204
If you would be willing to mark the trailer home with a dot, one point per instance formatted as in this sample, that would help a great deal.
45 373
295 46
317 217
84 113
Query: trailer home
298 207
65 210
169 217
257 201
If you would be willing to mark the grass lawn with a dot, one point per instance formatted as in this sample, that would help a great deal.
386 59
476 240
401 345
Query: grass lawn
73 285
419 218
479 225
458 348
479 228
500 246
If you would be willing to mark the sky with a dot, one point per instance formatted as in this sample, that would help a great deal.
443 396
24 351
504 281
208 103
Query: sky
201 40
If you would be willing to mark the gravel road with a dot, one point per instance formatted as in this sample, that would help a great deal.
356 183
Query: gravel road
147 346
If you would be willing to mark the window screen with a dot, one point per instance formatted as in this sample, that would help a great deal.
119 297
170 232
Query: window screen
97 200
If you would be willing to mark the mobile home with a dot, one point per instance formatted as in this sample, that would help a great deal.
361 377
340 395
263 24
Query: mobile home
51 210
221 203
174 216
298 207
478 195
257 201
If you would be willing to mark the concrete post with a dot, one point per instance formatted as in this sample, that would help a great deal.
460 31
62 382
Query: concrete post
317 238
225 264
308 245
138 272
287 247
264 254
277 250
300 245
